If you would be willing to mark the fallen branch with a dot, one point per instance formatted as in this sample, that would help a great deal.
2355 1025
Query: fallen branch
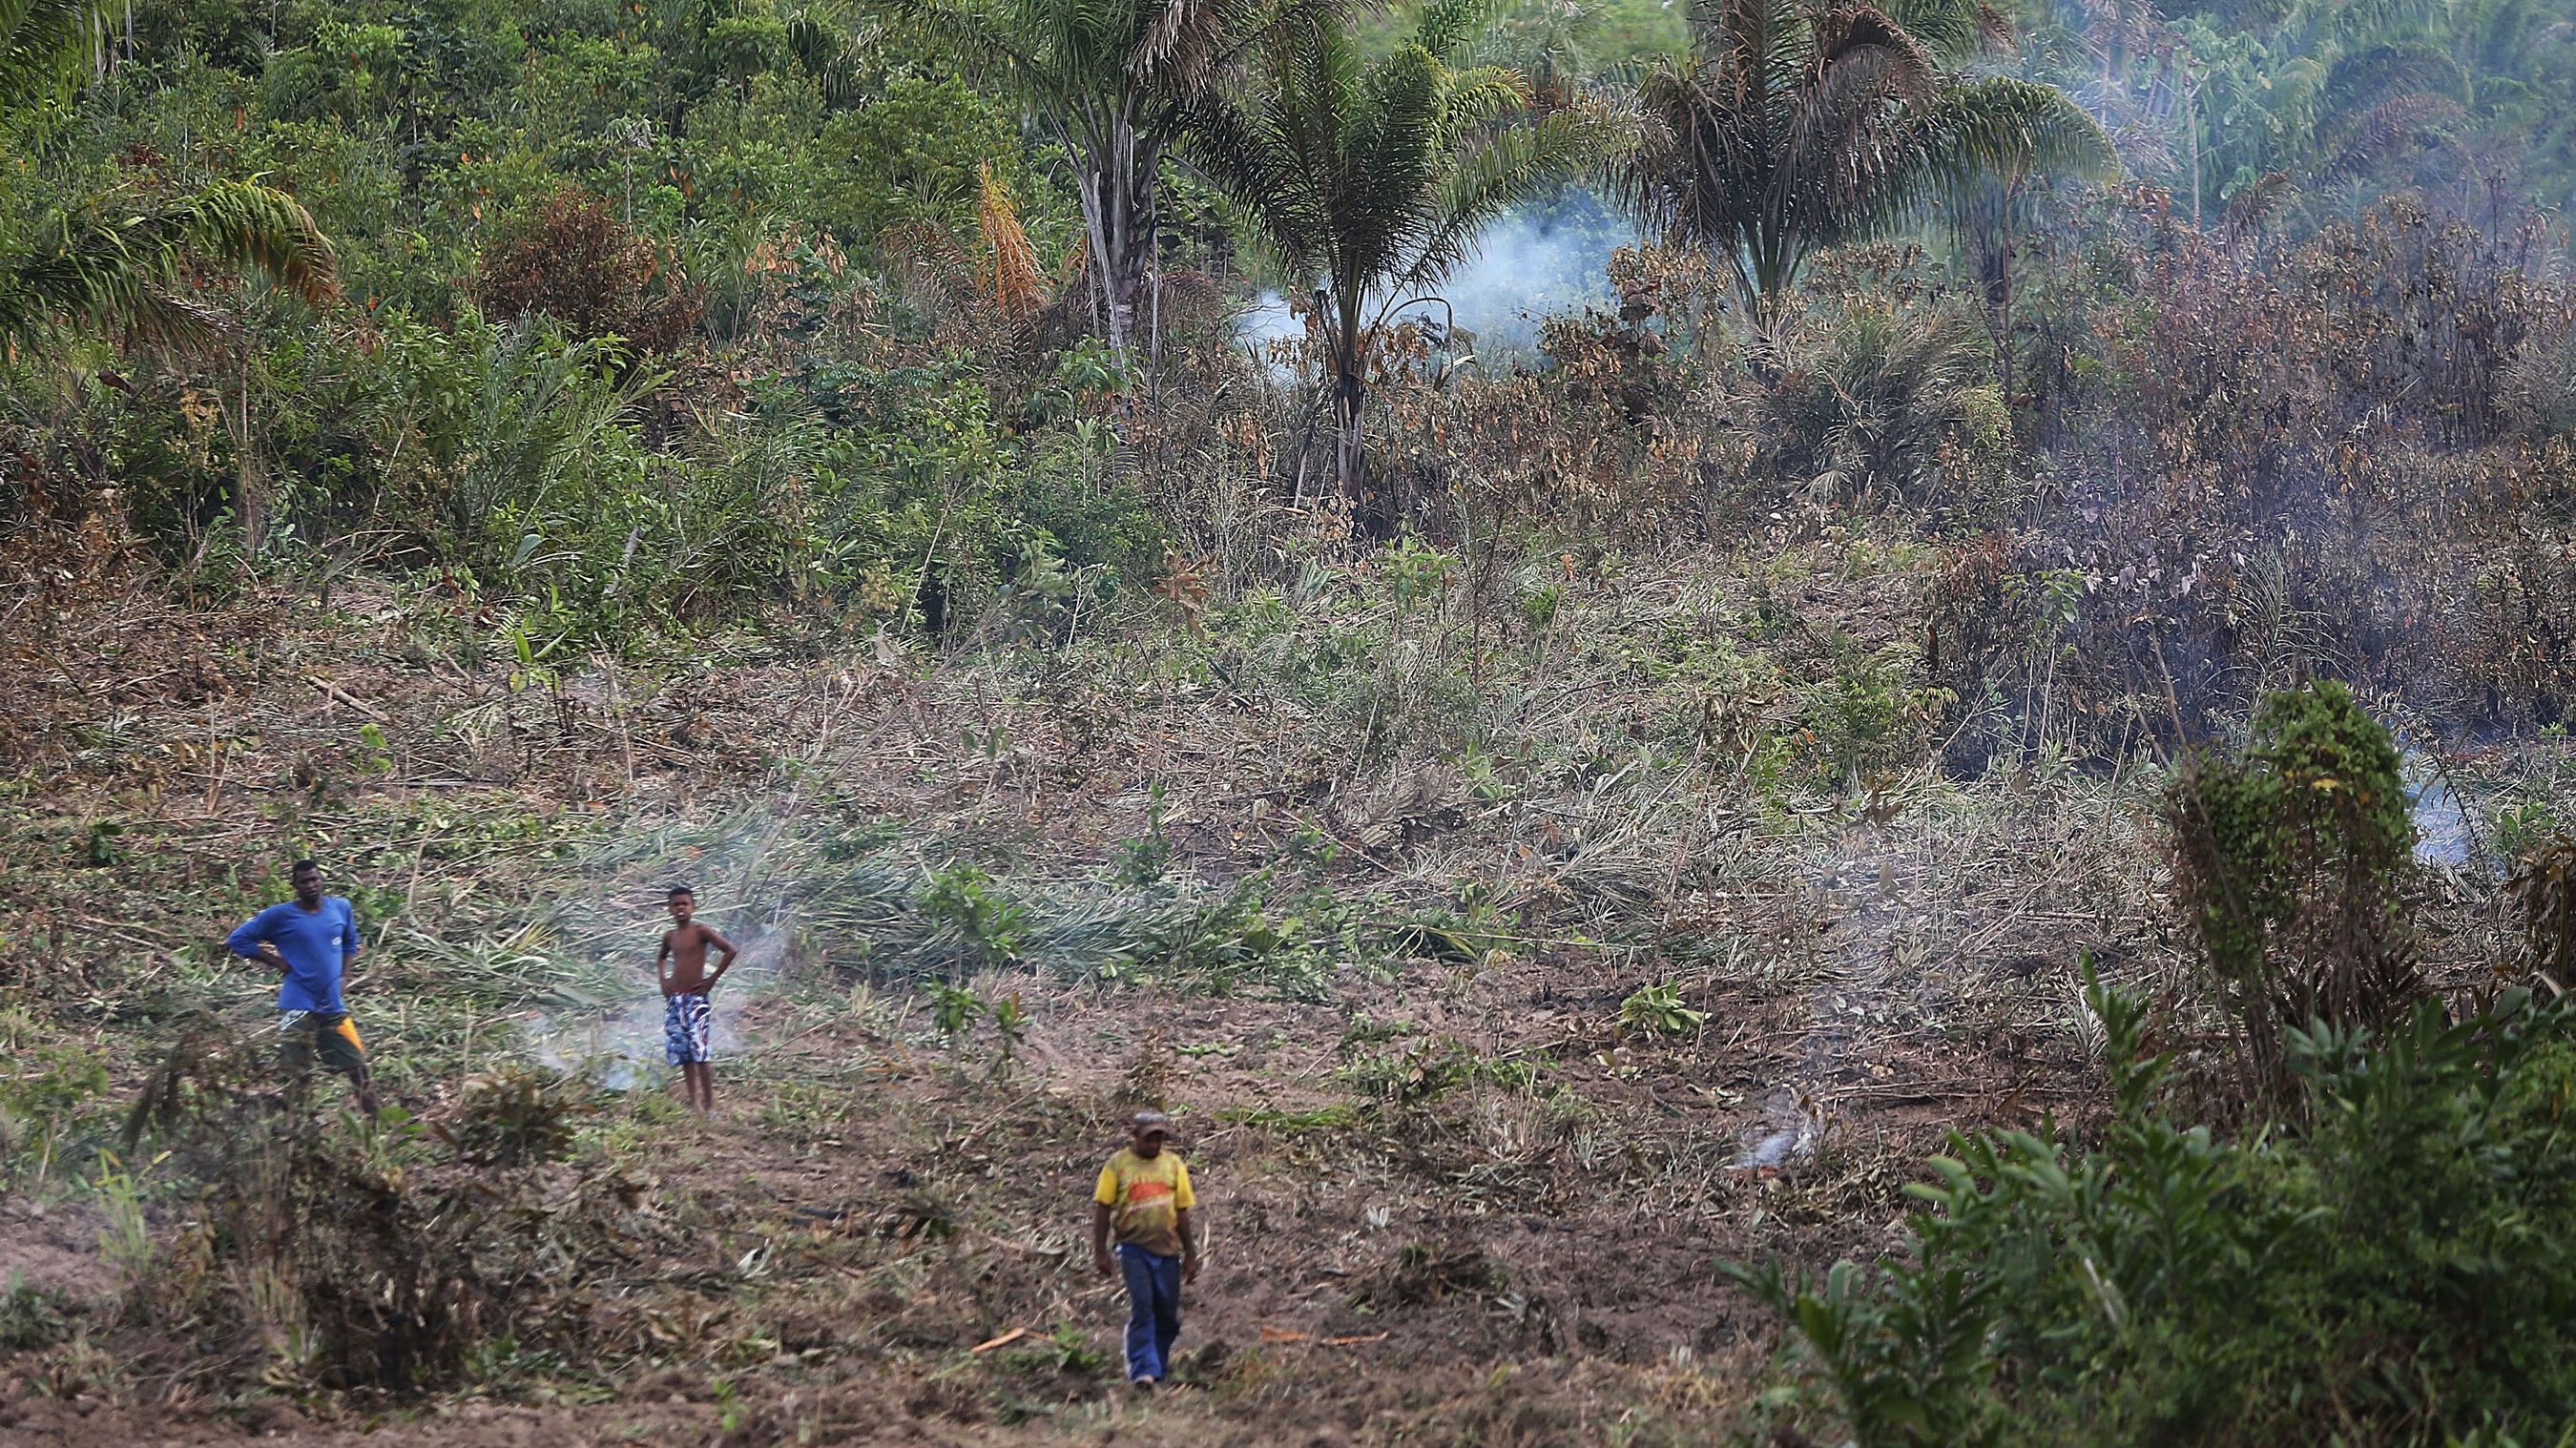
333 691
1285 1335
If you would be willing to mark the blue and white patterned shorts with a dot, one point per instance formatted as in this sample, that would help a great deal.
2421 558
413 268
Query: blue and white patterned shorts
684 1029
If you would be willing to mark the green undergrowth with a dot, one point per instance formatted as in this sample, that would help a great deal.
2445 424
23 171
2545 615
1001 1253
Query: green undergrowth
862 902
495 931
2390 1269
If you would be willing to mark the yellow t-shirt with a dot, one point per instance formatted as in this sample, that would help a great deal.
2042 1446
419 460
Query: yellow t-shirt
1144 1197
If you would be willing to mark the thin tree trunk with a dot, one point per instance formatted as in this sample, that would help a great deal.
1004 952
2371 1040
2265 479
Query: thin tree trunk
252 489
1347 345
1350 452
2003 312
1119 224
1993 245
2191 108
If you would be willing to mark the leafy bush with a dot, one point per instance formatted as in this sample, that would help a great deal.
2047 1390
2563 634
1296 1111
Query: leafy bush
1876 399
2288 862
42 1101
954 1009
1143 859
1863 716
2395 1274
991 929
339 1256
32 1316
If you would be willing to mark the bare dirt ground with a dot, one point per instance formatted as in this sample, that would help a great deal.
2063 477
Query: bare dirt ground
1453 1201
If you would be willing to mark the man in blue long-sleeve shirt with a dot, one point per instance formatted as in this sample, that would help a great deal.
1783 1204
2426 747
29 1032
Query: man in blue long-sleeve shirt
312 939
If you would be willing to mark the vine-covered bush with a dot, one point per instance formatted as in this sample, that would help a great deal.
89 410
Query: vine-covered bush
2287 863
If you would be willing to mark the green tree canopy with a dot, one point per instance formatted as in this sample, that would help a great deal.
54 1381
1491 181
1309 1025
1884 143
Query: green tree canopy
1111 79
1794 127
1369 181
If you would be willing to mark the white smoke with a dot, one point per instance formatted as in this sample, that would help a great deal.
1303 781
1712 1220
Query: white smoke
1539 262
1268 330
743 882
1544 260
623 1046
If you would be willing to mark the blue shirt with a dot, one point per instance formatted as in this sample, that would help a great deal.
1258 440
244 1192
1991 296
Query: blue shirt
317 944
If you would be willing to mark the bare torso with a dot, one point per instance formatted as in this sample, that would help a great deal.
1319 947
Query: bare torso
684 958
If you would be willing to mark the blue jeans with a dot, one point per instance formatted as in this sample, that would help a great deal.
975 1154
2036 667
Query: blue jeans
1153 1310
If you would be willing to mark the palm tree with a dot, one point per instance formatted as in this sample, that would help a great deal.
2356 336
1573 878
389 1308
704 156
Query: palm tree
1109 78
115 266
1369 181
1796 126
116 263
112 264
42 43
1982 204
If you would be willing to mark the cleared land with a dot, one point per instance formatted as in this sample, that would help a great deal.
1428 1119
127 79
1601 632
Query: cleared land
1484 1059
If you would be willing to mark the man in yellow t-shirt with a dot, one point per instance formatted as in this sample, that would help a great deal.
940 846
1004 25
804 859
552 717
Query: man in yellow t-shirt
1144 1196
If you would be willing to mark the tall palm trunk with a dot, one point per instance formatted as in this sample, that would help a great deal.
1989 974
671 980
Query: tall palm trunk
252 487
1121 220
1984 220
1994 267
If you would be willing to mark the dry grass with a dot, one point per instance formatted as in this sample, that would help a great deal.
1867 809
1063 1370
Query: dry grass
1424 1117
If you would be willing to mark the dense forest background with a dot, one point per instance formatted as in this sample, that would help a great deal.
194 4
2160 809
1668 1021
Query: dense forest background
1780 722
677 315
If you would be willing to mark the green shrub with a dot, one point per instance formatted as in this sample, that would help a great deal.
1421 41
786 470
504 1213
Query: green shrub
1658 1010
32 1316
2288 862
1144 859
2396 1273
953 1009
1286 950
990 928
44 1101
1861 715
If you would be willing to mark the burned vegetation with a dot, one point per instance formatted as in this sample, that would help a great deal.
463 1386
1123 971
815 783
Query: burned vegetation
1795 726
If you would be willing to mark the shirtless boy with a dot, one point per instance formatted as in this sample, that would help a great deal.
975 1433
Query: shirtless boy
685 983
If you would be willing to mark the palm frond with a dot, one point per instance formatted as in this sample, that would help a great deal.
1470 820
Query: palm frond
1486 93
2382 73
1514 165
2254 204
1367 180
41 46
1016 288
243 223
108 266
1797 126
1954 30
1447 25
2414 120
834 55
2013 129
